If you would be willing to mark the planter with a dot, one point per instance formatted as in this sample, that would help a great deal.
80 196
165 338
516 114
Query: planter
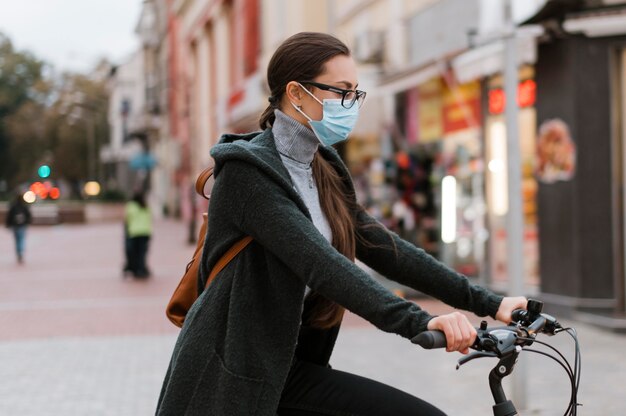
104 212
71 213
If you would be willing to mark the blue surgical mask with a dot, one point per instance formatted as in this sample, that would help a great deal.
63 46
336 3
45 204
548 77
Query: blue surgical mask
336 123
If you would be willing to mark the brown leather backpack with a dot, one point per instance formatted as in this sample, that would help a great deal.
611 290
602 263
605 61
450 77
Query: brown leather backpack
187 291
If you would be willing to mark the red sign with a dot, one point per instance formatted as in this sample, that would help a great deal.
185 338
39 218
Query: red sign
461 109
526 97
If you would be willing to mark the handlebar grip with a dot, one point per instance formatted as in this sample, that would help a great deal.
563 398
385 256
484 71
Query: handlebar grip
430 340
519 315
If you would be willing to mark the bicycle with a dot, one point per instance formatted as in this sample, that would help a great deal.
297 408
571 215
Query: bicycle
506 343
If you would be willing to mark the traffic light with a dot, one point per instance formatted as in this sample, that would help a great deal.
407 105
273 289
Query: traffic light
44 171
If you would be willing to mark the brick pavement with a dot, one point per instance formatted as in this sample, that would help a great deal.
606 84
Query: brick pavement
77 339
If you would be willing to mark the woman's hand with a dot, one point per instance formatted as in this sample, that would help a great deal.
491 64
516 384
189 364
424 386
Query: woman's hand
460 333
507 307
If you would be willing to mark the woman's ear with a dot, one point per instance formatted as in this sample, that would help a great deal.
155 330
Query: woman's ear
293 91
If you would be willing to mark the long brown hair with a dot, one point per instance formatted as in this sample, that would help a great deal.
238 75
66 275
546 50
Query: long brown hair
303 56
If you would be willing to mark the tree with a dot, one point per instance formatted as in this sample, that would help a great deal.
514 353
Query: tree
28 143
76 124
22 95
45 119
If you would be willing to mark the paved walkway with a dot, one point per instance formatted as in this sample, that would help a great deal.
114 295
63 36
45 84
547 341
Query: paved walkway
77 339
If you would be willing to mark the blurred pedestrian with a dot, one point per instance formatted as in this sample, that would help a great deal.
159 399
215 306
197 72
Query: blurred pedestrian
259 338
127 252
18 218
138 231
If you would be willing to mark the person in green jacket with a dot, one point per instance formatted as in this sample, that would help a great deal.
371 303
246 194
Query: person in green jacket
138 230
259 338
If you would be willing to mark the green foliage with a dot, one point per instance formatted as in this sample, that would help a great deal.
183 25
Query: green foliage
57 121
20 77
78 125
22 91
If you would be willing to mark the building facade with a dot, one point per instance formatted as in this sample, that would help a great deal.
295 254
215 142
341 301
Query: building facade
219 50
428 155
140 156
442 146
580 74
126 103
435 169
153 28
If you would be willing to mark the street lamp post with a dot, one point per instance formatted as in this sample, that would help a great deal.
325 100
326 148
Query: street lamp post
515 221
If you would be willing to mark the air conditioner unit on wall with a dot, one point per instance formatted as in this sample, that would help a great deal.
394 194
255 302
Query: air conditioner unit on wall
369 47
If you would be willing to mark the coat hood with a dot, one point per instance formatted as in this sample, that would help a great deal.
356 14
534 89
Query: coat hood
259 150
256 148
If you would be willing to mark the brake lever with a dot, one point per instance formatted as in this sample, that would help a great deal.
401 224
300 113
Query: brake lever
473 356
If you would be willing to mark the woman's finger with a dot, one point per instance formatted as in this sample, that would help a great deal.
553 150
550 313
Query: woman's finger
458 331
448 330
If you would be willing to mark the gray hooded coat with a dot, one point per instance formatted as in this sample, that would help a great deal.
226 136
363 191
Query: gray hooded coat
236 347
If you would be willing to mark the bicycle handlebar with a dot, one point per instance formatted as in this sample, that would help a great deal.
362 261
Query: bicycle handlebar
506 343
430 340
525 324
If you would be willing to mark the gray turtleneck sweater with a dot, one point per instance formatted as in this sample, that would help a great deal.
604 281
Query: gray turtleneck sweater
297 145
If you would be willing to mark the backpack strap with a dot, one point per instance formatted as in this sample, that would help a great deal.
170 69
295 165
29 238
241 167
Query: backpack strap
204 176
227 257
236 248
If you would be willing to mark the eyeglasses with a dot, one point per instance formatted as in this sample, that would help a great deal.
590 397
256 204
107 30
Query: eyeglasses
348 97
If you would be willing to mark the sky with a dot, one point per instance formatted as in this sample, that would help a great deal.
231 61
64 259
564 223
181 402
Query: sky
72 35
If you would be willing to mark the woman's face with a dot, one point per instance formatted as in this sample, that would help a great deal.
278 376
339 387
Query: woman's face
340 71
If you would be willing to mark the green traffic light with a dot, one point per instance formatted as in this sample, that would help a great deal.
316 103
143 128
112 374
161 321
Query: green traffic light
44 171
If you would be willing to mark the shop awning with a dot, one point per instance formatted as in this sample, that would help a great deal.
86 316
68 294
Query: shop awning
596 23
592 18
473 64
488 59
555 9
408 79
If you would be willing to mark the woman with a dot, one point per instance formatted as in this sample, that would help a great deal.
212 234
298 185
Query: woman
259 339
138 222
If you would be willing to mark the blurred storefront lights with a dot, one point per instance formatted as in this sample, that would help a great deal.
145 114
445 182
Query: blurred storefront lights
44 171
29 197
44 190
92 188
54 193
448 209
497 169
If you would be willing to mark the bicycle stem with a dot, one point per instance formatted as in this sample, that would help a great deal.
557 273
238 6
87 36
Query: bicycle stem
503 406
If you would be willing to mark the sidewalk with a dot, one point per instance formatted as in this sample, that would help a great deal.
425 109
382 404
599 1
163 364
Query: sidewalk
77 339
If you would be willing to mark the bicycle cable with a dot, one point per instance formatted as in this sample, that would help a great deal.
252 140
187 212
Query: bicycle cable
568 411
573 374
577 357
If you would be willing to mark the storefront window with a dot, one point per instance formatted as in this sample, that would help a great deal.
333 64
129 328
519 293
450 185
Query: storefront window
497 182
440 204
459 174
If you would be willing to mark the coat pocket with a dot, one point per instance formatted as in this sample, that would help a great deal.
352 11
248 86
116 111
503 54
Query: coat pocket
219 391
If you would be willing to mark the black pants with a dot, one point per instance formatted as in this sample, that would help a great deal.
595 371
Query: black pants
313 390
138 252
